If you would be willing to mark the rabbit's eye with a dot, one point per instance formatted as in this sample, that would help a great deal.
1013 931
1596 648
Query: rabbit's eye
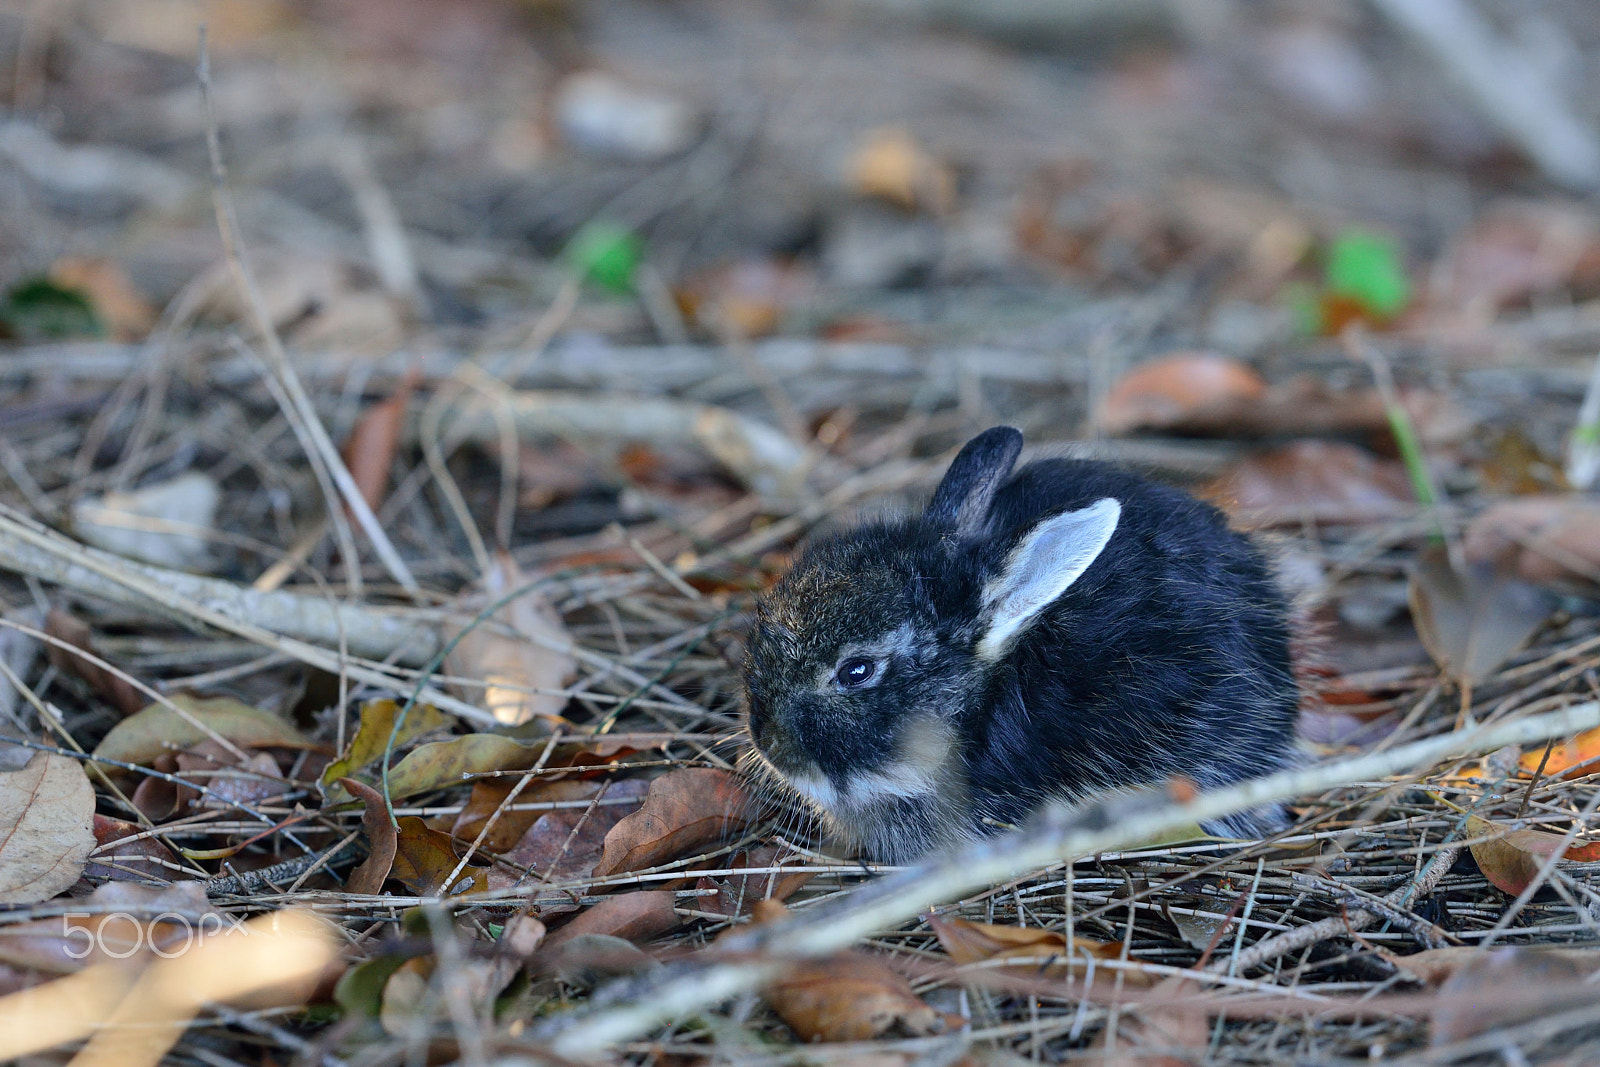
857 670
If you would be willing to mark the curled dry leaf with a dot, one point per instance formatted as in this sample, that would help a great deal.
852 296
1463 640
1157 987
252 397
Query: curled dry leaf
685 810
1039 953
383 837
425 857
67 627
142 737
737 894
637 916
588 959
849 997
523 671
574 778
1178 390
119 859
1547 540
46 828
1472 623
1511 859
372 736
1323 481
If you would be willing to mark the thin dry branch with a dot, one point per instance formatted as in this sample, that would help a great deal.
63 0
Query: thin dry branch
634 1007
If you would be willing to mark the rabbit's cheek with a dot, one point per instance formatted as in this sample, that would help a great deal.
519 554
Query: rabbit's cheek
919 765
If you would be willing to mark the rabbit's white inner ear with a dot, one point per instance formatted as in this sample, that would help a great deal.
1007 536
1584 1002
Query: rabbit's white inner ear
1053 556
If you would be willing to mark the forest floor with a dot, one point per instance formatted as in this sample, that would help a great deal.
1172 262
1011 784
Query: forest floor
403 402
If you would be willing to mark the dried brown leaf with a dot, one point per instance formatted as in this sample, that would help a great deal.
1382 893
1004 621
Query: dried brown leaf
1507 985
1472 623
1550 540
209 765
637 916
685 810
1178 390
424 858
118 859
1324 481
46 828
118 304
370 450
1511 859
565 845
1040 953
522 672
118 691
383 838
142 737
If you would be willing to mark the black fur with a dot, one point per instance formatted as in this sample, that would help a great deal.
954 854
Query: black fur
1168 656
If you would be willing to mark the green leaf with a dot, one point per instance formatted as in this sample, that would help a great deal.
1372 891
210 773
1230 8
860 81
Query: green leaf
40 310
359 990
607 254
1367 268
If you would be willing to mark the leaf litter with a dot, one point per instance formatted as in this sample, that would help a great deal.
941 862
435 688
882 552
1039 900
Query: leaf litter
756 326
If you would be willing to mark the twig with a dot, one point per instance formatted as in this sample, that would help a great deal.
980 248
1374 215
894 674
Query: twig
321 450
1269 949
633 1007
1511 90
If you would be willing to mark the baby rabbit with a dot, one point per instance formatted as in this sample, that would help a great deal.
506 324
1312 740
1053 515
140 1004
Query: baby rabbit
1050 634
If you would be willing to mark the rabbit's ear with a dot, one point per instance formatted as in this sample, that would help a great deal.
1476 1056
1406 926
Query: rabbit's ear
963 497
1053 556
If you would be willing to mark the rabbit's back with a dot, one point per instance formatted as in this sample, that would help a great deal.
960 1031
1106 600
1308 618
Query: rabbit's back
1169 656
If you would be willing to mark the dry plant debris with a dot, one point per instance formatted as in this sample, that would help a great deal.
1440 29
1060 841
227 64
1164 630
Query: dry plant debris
381 506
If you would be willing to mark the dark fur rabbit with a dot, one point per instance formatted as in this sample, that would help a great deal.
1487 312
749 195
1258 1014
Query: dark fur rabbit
1054 633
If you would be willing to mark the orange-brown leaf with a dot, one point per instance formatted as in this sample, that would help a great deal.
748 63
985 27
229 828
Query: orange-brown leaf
424 859
853 997
1573 758
1511 859
684 811
1038 952
1177 389
369 452
566 844
637 916
118 859
382 840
